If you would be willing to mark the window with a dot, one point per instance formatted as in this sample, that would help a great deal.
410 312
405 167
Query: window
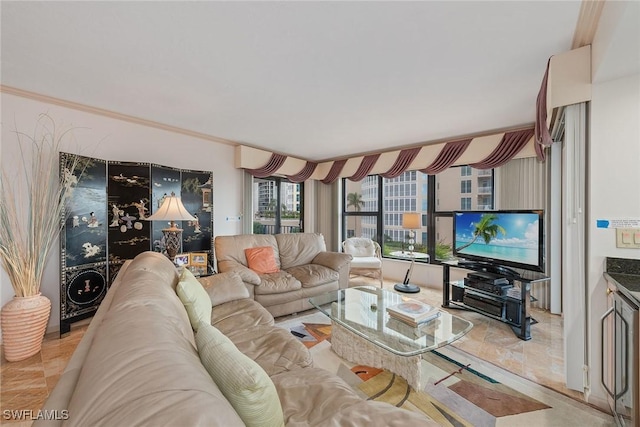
465 204
278 206
361 208
465 186
374 207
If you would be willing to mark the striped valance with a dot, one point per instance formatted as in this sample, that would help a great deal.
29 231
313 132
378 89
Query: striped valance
482 152
567 81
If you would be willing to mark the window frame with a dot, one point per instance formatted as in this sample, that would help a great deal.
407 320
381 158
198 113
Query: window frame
377 214
431 213
278 212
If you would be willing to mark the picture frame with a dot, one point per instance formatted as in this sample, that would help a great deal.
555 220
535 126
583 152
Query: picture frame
182 260
198 270
198 259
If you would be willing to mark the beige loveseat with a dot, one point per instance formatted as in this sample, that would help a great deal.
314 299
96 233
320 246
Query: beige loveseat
138 364
306 268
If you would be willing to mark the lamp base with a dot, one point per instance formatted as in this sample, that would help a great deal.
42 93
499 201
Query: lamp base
407 288
172 241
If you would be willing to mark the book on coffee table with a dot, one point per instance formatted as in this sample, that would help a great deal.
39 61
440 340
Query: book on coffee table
413 312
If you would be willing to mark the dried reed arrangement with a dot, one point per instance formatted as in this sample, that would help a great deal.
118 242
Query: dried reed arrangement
32 204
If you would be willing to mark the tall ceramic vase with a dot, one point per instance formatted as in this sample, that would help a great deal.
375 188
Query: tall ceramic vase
24 321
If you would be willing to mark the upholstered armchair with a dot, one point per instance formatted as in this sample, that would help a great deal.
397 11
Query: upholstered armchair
367 257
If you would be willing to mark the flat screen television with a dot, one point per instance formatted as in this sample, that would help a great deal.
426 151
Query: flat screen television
512 238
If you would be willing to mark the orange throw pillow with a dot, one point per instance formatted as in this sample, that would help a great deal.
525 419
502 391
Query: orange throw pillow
261 260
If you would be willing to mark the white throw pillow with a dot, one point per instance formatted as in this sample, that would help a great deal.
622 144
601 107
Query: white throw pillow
242 381
194 298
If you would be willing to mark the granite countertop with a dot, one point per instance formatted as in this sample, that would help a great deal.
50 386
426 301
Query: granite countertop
626 273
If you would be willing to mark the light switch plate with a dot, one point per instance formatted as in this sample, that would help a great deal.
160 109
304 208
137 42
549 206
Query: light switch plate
628 238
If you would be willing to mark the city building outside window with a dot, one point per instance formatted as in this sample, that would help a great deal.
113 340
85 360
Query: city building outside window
465 186
374 207
277 206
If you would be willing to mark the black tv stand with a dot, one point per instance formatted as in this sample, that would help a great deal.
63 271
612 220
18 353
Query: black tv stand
488 267
496 306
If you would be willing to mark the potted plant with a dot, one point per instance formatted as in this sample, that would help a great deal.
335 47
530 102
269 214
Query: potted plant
32 205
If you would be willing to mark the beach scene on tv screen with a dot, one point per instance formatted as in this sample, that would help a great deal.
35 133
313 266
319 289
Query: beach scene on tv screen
511 236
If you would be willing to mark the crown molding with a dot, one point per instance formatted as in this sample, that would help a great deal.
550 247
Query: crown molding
590 12
112 114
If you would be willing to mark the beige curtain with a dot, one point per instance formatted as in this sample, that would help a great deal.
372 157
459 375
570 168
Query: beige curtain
522 184
326 220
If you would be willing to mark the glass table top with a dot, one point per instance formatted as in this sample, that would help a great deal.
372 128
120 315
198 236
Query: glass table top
362 310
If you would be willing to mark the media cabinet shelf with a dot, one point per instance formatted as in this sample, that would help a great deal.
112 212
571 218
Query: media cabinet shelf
525 279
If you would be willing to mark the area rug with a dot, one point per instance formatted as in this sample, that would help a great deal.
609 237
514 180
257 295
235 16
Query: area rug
460 391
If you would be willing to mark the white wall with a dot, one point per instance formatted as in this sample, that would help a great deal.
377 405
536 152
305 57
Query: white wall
614 191
613 181
110 139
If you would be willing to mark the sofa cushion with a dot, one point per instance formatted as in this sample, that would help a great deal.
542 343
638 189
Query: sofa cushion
299 248
360 247
261 259
224 287
242 381
291 299
310 396
231 248
366 262
246 312
316 397
195 299
311 275
273 348
277 283
141 366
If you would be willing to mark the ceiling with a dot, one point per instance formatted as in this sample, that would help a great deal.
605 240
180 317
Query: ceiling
315 80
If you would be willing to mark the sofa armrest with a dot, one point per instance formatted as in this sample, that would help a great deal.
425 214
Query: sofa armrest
247 275
333 260
337 261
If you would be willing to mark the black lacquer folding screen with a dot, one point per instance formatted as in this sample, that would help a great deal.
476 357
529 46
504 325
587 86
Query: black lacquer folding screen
105 225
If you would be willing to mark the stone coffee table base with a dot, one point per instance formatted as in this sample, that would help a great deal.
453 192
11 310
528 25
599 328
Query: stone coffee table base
356 349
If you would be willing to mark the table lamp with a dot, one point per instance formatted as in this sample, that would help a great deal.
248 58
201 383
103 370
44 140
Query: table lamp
411 222
172 210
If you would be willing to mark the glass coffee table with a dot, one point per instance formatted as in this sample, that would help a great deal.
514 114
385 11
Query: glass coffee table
363 333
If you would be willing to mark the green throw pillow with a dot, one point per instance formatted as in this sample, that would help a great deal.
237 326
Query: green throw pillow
242 381
195 299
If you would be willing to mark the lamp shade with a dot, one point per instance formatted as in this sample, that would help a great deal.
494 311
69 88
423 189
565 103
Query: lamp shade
411 220
172 209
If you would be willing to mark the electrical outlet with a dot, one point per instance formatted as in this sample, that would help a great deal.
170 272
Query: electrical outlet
628 238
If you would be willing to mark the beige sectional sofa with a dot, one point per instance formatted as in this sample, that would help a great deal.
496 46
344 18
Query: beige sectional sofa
138 363
305 268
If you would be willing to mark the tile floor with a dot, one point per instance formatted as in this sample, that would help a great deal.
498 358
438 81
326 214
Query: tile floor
540 359
25 385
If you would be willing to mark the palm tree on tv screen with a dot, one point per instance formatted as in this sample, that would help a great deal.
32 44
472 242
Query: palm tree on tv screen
486 229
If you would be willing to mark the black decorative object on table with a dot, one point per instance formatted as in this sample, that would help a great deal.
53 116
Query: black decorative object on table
410 221
405 286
